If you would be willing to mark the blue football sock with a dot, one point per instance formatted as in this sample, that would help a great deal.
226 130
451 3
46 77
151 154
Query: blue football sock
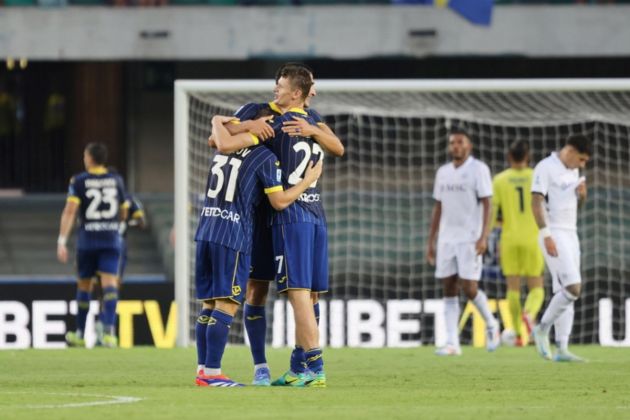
316 310
110 300
200 334
83 307
297 360
314 360
256 326
216 338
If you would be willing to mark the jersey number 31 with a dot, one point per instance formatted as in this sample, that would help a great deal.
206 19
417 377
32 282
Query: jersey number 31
217 169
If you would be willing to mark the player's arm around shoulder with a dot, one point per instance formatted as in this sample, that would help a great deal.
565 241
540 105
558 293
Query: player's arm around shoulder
322 134
226 142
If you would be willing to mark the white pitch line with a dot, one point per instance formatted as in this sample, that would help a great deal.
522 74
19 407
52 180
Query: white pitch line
111 399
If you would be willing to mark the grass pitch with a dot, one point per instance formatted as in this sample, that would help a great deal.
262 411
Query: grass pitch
362 384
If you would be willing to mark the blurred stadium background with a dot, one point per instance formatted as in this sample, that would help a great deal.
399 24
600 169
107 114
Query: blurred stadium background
88 70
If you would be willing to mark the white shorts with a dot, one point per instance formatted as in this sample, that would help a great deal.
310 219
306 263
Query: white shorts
460 259
565 268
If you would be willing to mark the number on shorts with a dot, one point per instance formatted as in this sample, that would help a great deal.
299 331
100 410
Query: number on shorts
280 261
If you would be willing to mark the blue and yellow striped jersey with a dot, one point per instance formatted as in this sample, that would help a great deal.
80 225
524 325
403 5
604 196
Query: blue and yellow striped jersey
295 152
100 195
236 184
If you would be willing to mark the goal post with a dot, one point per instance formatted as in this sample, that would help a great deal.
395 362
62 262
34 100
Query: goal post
378 196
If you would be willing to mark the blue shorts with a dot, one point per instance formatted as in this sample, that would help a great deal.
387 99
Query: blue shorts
301 255
263 265
220 272
91 262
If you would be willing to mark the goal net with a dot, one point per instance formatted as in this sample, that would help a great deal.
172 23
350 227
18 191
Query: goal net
378 196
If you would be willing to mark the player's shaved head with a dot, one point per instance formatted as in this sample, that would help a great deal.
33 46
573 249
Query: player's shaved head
97 152
519 151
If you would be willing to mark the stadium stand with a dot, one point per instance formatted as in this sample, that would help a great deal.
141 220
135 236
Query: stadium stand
29 226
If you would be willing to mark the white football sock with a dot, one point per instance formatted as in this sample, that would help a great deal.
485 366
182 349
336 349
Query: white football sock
559 303
481 303
451 315
260 365
212 372
563 326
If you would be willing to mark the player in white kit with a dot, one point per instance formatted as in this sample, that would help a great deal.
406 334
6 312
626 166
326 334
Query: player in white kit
461 223
557 192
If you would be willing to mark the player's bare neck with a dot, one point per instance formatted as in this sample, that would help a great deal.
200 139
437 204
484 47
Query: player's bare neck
459 162
294 106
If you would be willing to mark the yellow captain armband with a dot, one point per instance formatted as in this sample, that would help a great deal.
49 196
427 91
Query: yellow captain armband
73 199
235 121
273 189
125 205
254 139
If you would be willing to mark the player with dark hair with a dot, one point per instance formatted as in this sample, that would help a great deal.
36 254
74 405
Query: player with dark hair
557 192
253 117
98 196
462 215
236 185
520 254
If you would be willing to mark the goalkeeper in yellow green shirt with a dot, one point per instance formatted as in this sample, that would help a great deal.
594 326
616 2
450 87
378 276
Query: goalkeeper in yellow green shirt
520 254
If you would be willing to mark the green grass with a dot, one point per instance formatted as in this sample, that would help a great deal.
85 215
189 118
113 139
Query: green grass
362 384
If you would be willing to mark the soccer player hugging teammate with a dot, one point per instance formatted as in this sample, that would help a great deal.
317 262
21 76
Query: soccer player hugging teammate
557 192
237 183
253 117
98 196
462 213
299 232
520 253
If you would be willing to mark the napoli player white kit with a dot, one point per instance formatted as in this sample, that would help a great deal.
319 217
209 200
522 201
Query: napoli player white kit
459 190
557 183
